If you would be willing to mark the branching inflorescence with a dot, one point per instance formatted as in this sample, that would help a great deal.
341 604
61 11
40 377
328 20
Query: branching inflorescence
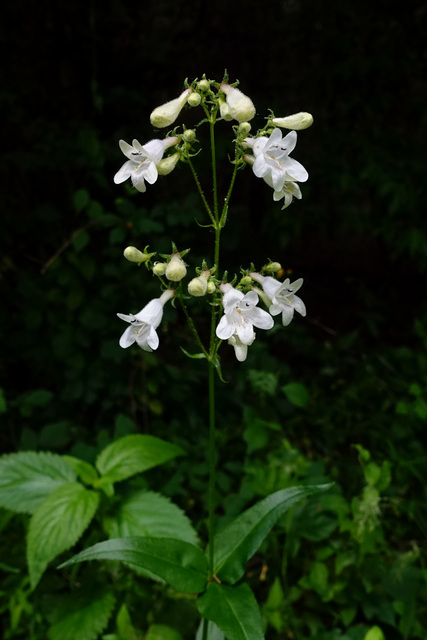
268 153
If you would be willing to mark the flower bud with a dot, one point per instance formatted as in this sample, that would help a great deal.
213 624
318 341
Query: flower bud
241 107
159 268
296 122
135 255
194 99
224 110
273 267
204 85
198 286
167 113
246 280
244 128
167 165
176 269
189 135
211 287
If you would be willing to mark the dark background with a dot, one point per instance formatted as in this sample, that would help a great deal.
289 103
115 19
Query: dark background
79 76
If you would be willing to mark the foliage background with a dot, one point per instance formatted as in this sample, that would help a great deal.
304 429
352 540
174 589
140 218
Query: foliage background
77 77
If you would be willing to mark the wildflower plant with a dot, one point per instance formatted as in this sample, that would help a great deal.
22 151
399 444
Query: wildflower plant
239 307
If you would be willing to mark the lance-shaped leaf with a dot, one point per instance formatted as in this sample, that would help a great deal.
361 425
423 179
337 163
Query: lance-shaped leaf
57 524
181 564
28 477
239 540
233 609
131 455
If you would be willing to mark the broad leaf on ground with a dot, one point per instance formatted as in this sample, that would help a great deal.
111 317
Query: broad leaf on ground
29 477
150 514
181 564
131 455
239 540
82 614
233 609
57 524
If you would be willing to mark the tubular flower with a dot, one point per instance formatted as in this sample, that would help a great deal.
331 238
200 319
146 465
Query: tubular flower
142 161
272 161
282 296
240 107
167 113
240 349
143 325
241 315
290 191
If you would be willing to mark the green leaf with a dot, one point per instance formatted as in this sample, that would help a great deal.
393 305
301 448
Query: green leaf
81 199
82 614
28 478
85 471
34 399
162 632
150 514
57 524
374 633
214 633
296 393
131 455
3 404
196 356
239 540
233 609
181 564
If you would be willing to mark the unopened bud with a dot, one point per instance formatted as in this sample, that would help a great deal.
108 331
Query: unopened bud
246 280
273 267
241 107
135 255
167 113
159 268
204 85
198 286
167 165
176 269
224 110
211 287
244 128
189 135
296 122
194 100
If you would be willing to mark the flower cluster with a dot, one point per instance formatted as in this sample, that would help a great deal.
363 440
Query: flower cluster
268 152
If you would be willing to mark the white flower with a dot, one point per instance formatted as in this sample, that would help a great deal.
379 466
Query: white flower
290 191
272 161
240 107
282 296
141 164
167 113
176 269
241 315
143 325
240 349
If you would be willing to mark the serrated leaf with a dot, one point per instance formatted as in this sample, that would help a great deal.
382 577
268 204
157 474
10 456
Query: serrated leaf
28 478
296 393
233 609
181 564
239 540
150 514
57 524
133 454
82 614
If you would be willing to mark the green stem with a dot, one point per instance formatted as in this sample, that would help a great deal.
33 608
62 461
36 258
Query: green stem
211 466
200 190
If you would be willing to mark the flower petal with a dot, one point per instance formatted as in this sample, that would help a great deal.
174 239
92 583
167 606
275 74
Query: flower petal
224 329
124 172
298 305
128 337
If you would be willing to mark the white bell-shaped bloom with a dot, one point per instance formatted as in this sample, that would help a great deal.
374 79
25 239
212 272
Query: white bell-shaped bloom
142 161
241 315
282 296
240 349
272 161
143 325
